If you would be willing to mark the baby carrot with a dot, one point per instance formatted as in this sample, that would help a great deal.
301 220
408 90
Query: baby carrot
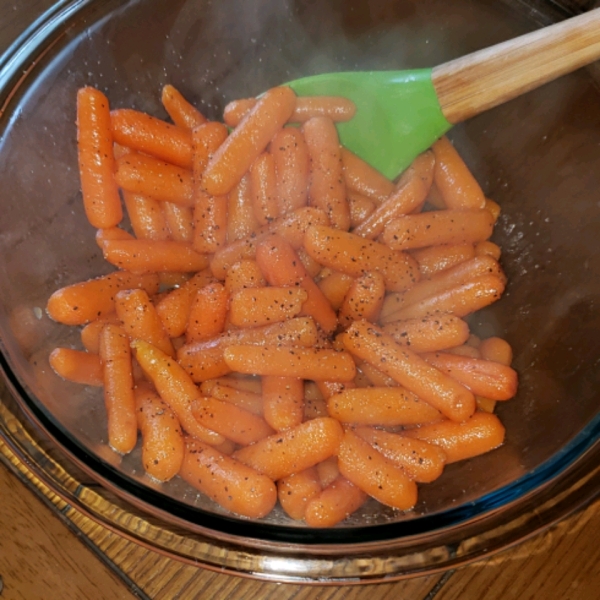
363 300
335 503
90 334
248 400
296 491
149 256
409 193
162 438
377 476
101 199
112 233
119 399
283 401
146 216
248 140
328 471
241 220
479 434
439 227
362 178
253 307
182 113
232 485
487 248
236 110
457 185
293 450
371 344
263 189
140 319
282 361
434 259
493 207
335 286
144 133
81 303
208 313
175 387
361 208
154 178
290 155
326 189
244 274
387 406
373 375
497 350
180 221
77 366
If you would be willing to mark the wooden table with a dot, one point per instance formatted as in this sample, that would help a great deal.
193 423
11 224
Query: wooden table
50 550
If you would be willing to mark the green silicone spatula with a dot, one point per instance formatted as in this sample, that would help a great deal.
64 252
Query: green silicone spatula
401 113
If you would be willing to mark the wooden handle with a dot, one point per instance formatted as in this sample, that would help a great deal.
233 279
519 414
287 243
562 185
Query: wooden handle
479 81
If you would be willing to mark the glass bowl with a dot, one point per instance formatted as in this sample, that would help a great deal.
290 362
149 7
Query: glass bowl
536 156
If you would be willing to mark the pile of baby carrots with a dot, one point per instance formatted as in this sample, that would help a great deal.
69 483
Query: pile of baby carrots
284 323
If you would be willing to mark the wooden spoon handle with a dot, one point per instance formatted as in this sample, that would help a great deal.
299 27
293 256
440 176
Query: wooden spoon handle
479 81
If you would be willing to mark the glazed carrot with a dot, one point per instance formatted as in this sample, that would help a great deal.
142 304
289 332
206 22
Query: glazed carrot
208 313
434 259
355 256
420 460
335 286
282 267
457 185
311 266
241 220
487 248
373 375
363 300
263 189
236 110
253 307
235 423
175 387
174 308
328 471
149 176
232 485
361 208
296 491
292 227
362 178
182 113
143 133
493 207
101 199
141 321
334 504
371 344
496 349
326 189
112 233
149 256
281 361
483 377
290 155
90 334
248 400
283 401
119 399
293 450
180 221
248 140
203 362
408 194
479 434
434 198
377 476
146 216
244 274
235 381
81 303
464 350
77 366
460 300
438 227
386 406
162 438
429 334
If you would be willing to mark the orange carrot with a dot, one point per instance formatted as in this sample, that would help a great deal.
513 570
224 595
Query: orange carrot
182 113
377 476
326 188
149 176
386 406
497 350
119 399
101 199
335 286
146 216
363 300
208 313
263 189
371 344
77 366
237 381
296 491
283 401
479 434
248 140
493 207
293 450
373 375
112 233
81 303
241 220
464 350
434 198
434 259
361 208
236 110
362 178
234 486
143 133
457 185
409 193
149 256
328 471
290 155
244 274
180 221
438 227
162 438
246 399
487 248
90 334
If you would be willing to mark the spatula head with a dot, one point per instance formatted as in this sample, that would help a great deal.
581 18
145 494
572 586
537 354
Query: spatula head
397 116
